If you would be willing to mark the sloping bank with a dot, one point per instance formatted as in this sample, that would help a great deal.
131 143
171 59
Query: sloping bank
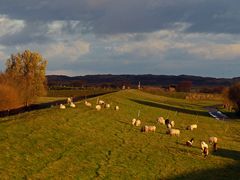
34 107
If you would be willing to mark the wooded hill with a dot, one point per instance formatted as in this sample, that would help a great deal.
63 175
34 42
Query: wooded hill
133 80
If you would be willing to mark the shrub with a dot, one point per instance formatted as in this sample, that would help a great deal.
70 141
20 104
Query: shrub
10 96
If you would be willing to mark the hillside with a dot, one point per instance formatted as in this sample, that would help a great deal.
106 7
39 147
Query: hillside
148 79
83 143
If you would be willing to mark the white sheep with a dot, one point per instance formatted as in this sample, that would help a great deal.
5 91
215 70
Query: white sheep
138 122
69 100
101 102
62 106
98 107
213 140
168 123
172 123
172 132
190 142
204 148
203 145
88 104
161 120
133 121
72 105
149 129
107 106
192 127
116 108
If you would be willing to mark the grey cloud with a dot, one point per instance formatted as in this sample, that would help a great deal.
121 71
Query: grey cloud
111 17
32 32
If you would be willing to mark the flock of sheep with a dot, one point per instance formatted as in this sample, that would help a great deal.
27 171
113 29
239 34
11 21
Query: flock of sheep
176 132
99 105
160 120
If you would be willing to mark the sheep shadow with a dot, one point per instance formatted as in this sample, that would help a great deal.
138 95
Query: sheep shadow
226 172
226 153
168 107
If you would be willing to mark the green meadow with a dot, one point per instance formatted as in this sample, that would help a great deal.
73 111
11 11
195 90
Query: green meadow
82 143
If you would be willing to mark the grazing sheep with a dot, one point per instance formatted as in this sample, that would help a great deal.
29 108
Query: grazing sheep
133 121
107 106
204 148
148 129
189 143
72 105
69 100
169 124
203 144
205 152
98 107
161 120
192 127
167 121
138 122
213 140
101 102
172 132
116 108
88 104
62 106
172 123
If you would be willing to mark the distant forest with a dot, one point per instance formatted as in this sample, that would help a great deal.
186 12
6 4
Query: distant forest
109 80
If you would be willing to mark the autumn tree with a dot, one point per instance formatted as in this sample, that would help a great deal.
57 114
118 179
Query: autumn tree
184 86
234 95
10 96
28 70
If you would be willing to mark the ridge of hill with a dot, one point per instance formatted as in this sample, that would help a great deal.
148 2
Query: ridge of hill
145 79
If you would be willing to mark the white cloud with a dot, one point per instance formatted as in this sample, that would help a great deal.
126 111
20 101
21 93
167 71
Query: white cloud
217 51
205 46
10 26
62 72
67 50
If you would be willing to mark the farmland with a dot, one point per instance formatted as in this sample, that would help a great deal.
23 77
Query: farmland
82 143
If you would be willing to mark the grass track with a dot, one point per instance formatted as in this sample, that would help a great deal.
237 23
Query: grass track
86 144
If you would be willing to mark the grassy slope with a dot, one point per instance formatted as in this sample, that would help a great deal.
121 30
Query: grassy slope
83 143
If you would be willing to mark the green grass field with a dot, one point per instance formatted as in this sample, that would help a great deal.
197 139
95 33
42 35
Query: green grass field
83 143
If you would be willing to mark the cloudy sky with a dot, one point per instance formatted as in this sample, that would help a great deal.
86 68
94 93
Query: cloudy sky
79 37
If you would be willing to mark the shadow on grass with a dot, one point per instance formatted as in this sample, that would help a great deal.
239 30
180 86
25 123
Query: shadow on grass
226 153
228 172
171 108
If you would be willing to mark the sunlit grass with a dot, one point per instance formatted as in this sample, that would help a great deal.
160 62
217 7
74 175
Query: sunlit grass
86 144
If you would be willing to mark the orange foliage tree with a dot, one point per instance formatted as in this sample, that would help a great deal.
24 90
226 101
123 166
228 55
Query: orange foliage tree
10 96
27 69
234 95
